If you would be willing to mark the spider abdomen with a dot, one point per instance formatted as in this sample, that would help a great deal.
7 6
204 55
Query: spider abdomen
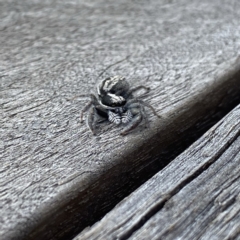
113 100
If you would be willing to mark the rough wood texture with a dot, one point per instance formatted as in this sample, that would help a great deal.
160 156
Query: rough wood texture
197 196
56 178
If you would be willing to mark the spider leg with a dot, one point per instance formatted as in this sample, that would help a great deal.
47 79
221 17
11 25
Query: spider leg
134 123
96 115
149 106
91 120
101 120
135 100
86 107
114 118
93 101
136 118
127 116
144 114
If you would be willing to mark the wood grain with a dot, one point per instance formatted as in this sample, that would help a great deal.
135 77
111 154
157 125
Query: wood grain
197 196
56 178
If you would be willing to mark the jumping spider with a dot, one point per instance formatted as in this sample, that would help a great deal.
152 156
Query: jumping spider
115 102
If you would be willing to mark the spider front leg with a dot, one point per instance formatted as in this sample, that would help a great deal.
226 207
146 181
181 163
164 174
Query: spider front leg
92 120
96 115
143 103
136 119
87 106
144 114
93 101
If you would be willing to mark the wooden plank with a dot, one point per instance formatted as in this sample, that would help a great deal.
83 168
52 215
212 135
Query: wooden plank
197 196
56 178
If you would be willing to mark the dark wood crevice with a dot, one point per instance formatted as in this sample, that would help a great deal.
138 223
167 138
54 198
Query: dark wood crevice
192 197
126 177
158 206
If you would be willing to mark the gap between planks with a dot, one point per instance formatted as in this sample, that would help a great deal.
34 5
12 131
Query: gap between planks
141 162
137 216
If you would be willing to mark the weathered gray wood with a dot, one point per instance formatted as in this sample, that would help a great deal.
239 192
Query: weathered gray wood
55 176
197 196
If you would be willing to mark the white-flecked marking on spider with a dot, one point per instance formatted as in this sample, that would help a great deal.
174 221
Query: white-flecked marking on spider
126 117
114 98
114 118
109 83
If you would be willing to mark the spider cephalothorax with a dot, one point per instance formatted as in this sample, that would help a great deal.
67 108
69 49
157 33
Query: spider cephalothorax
115 102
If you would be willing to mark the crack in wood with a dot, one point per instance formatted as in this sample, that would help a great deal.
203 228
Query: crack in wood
158 206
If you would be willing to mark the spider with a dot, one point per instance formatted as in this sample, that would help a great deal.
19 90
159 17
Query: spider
115 102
